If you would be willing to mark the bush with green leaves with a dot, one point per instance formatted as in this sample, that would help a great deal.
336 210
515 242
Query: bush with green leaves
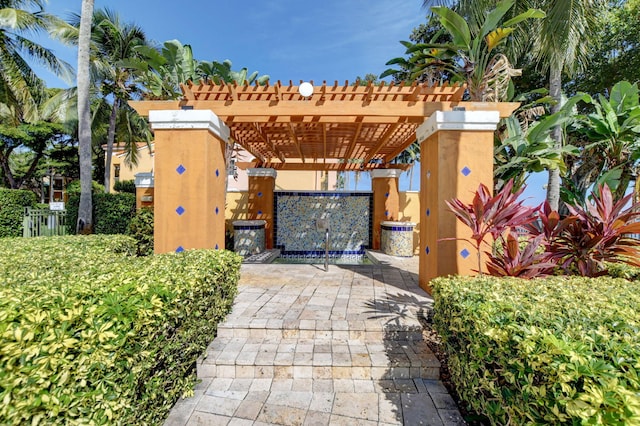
112 213
128 186
12 205
141 228
92 335
547 351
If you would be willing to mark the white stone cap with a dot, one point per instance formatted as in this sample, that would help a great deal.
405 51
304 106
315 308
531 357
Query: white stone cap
385 173
249 222
189 119
458 120
144 180
394 223
258 172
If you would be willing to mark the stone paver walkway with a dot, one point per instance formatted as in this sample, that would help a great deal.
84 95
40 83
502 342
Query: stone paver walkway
307 347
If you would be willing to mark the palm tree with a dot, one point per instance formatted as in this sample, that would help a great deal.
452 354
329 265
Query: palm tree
20 87
85 219
560 42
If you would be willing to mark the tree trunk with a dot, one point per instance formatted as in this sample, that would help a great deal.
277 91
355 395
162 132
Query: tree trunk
8 174
555 91
111 137
85 219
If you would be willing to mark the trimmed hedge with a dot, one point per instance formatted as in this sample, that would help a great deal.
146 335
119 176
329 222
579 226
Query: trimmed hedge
91 335
545 351
141 229
112 213
12 204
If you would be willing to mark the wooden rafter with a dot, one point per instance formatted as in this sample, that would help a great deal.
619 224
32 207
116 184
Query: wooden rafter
383 140
292 131
266 140
318 166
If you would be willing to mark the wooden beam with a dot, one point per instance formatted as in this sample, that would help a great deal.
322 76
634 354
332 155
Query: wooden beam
261 108
385 138
292 132
317 166
266 140
401 148
143 107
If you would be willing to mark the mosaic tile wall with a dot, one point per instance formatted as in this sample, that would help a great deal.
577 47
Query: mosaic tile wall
348 213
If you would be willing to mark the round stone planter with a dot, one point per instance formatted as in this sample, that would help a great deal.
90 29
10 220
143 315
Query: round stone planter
248 237
396 238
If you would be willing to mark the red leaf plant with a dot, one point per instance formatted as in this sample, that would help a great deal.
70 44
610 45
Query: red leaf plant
491 215
512 262
583 242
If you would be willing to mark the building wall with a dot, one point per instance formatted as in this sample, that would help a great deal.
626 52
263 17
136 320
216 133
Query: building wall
128 172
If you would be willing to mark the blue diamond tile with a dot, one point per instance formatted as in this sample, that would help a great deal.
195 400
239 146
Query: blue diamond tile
180 249
428 174
465 171
386 195
386 213
217 172
180 210
259 211
427 250
181 169
217 210
464 253
259 194
216 247
428 212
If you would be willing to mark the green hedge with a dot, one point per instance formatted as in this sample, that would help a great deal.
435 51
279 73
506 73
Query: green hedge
141 229
112 213
91 335
545 351
12 204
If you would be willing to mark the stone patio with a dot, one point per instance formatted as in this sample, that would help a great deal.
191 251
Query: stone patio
307 347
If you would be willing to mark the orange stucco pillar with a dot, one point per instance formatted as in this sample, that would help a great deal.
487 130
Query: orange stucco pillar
386 200
262 182
189 180
456 155
144 190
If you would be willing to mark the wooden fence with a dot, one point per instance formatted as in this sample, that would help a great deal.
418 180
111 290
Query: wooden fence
43 222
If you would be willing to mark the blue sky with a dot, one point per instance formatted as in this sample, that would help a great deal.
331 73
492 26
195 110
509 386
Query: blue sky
286 39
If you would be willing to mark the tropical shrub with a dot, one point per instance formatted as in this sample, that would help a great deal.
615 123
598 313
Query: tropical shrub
12 205
128 186
141 229
547 351
112 213
91 335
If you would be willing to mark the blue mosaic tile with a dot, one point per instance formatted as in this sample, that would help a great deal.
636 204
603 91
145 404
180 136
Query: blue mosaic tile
428 212
259 194
217 210
259 211
386 213
427 250
181 169
349 215
216 247
465 171
180 210
217 173
386 195
464 253
180 249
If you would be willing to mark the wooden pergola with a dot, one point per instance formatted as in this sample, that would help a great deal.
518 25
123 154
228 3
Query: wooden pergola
339 127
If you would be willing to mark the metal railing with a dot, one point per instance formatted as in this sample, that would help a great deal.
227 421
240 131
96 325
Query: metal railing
43 222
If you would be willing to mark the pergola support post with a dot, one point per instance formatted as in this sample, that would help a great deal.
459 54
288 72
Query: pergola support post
190 179
262 182
386 200
456 155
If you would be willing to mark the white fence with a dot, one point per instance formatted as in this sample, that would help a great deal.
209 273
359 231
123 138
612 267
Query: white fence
43 222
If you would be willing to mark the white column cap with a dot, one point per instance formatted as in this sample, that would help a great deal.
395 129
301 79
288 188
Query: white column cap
258 172
189 119
385 173
458 120
144 180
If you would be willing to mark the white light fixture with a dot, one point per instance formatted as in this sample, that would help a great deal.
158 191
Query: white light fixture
305 89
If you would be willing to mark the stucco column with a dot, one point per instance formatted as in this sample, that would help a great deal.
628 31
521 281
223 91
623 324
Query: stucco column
456 155
262 182
189 180
144 189
386 200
